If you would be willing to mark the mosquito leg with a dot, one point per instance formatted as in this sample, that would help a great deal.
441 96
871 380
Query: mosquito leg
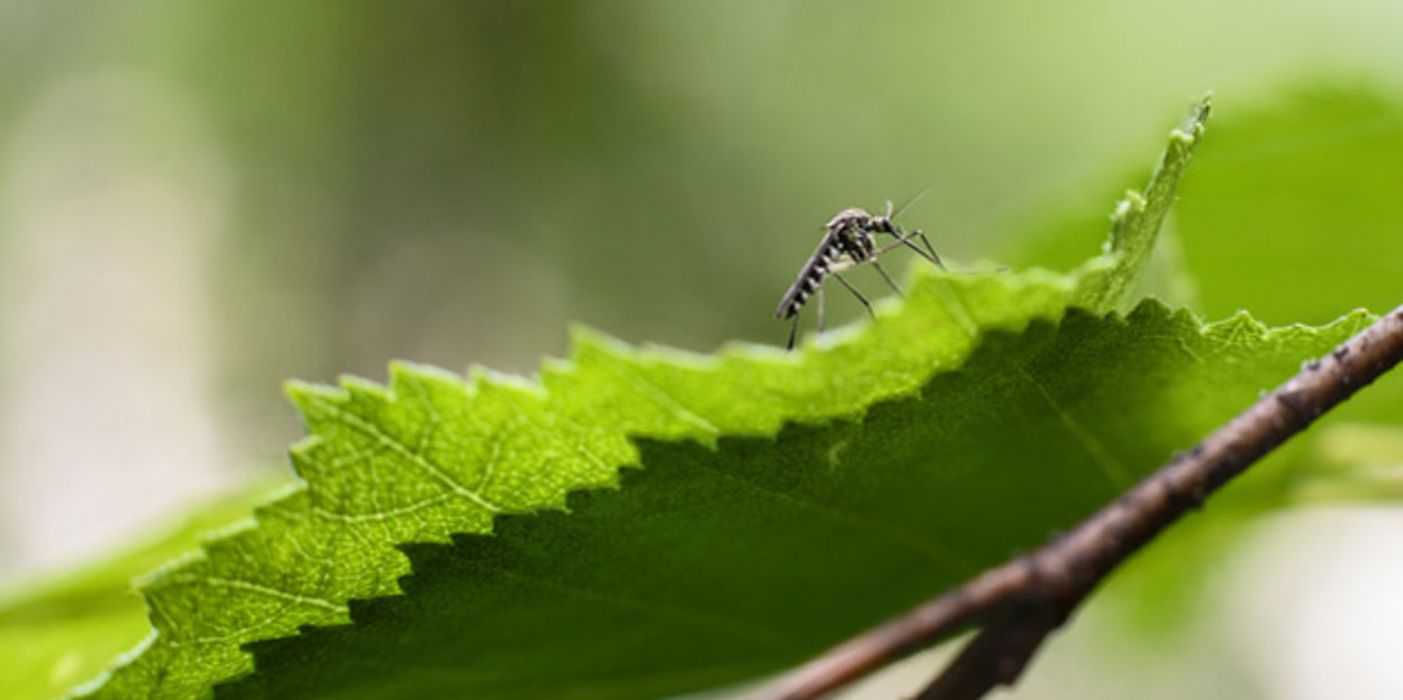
890 247
793 332
820 309
886 277
905 240
934 255
857 294
934 261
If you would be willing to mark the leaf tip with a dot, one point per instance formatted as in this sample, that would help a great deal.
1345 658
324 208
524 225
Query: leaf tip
358 388
1192 128
407 370
305 395
586 341
1132 203
482 375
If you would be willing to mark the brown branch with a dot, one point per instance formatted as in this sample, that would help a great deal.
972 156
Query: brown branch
1020 602
997 654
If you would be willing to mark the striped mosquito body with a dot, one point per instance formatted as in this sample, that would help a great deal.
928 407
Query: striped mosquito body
848 241
843 244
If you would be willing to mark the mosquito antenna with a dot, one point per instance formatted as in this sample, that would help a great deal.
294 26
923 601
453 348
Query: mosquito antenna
909 203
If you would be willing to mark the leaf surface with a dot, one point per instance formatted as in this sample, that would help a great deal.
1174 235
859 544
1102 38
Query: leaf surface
713 566
57 632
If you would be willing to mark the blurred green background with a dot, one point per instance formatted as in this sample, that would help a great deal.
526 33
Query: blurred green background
200 200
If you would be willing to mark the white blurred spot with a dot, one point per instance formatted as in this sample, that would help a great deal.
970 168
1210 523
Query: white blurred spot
111 200
1322 606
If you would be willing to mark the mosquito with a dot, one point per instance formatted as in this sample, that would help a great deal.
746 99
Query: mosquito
849 241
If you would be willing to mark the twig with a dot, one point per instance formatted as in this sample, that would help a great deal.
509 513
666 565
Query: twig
998 653
1020 602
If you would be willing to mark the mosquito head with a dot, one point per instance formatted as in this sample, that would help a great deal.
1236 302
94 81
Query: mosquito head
884 224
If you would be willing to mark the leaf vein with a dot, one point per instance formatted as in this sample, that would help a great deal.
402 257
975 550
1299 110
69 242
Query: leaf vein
438 473
271 592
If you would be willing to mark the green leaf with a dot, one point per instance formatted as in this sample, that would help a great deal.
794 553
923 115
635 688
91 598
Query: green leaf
710 566
1306 189
1138 218
1318 172
1291 213
58 632
430 457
